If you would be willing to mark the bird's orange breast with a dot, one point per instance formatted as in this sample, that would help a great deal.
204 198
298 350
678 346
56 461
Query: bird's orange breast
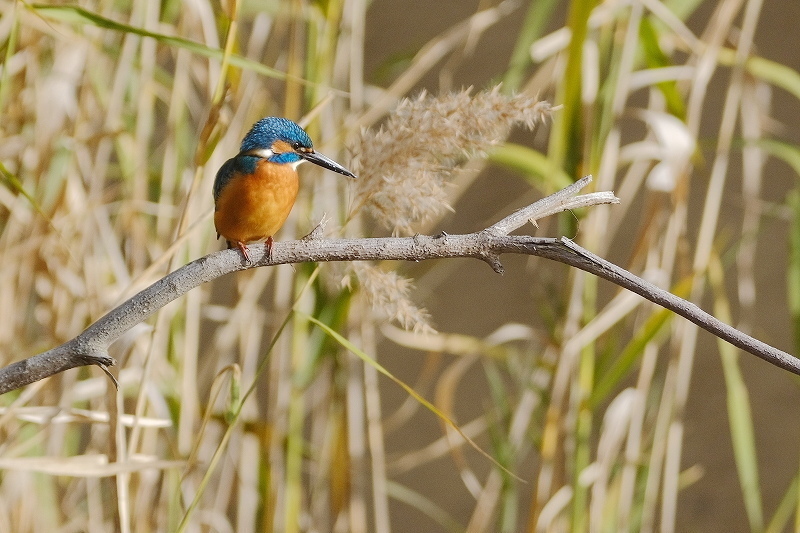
253 207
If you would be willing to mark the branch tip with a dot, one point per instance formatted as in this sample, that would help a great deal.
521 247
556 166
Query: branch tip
105 369
493 260
319 230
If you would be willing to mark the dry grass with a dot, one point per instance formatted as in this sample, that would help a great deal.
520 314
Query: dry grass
237 414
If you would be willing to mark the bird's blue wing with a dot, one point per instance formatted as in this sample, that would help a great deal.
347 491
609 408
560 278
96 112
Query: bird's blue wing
224 176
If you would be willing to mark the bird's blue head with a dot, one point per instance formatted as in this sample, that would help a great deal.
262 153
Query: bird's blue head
280 140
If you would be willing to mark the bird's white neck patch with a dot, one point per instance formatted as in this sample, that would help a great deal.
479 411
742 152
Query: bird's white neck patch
296 163
266 153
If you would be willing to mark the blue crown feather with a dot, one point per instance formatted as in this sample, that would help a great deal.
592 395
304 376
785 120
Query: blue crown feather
270 129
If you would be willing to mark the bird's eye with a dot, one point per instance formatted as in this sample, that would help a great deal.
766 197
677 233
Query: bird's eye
296 145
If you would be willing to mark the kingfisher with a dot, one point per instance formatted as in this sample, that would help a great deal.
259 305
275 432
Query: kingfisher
255 190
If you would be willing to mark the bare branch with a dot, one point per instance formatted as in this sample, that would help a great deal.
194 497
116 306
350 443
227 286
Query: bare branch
570 253
91 346
563 200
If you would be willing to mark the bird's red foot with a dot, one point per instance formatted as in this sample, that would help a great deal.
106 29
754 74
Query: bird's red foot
269 244
243 247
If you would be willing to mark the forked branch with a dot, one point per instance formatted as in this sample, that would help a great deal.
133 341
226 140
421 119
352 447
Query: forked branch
91 346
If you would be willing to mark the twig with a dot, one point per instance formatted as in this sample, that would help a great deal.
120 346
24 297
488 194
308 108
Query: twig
90 347
563 200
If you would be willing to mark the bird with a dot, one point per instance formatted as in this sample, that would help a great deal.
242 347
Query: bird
255 190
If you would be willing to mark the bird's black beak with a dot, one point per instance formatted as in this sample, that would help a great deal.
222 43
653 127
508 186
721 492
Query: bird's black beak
325 162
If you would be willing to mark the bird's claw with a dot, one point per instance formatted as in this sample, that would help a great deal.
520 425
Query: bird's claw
269 244
243 247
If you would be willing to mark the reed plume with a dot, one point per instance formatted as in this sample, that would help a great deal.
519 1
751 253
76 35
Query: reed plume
404 166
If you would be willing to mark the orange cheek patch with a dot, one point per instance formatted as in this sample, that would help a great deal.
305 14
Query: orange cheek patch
279 147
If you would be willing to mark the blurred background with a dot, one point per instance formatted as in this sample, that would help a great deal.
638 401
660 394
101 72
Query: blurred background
238 412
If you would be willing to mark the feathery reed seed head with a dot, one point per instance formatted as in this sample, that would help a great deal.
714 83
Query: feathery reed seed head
389 295
403 166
